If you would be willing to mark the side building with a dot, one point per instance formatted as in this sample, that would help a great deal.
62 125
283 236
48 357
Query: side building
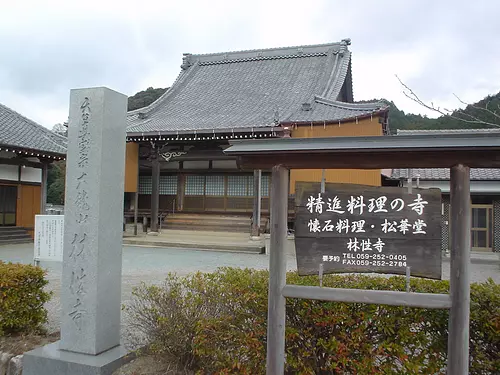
175 160
484 188
26 150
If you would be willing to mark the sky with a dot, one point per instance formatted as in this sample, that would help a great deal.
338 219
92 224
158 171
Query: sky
437 47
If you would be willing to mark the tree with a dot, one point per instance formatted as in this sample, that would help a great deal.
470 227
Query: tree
56 182
485 113
144 98
61 129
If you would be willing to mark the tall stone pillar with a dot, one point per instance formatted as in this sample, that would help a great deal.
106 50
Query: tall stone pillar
92 259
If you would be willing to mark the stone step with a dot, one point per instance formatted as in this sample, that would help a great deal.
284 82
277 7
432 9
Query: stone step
15 241
241 248
209 228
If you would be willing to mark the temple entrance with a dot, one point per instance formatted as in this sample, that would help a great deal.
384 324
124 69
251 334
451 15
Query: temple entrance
8 198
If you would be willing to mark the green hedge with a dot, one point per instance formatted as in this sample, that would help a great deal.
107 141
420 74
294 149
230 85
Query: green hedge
216 324
22 298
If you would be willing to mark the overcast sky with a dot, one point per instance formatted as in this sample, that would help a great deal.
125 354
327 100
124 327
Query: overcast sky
438 47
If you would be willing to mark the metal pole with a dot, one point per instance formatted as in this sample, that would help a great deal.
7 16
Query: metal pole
458 325
277 273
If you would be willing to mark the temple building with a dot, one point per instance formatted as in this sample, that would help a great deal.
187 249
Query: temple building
175 166
26 150
484 193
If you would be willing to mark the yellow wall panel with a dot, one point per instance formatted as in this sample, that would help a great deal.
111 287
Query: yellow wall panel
365 127
131 167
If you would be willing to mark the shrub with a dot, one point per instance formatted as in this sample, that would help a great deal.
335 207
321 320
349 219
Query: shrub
216 324
22 298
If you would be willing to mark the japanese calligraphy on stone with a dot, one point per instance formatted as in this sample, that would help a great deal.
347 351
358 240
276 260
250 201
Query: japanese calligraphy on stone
356 228
82 207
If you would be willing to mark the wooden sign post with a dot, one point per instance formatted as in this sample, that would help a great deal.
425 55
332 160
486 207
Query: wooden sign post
357 228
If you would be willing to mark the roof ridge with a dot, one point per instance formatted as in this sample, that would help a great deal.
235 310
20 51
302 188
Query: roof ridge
146 110
345 105
331 44
46 131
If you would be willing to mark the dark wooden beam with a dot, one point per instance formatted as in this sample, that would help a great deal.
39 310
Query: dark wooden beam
479 158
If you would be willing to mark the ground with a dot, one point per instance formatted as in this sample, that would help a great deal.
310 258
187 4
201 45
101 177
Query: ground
151 265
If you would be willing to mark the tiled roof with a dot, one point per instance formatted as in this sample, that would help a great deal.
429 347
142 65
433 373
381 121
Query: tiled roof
444 174
19 132
477 174
251 89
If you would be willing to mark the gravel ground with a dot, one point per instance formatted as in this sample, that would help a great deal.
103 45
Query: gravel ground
152 265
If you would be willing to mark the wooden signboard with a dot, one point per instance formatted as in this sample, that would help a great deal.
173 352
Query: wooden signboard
358 228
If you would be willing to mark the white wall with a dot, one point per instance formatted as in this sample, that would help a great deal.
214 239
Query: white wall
224 164
8 172
29 174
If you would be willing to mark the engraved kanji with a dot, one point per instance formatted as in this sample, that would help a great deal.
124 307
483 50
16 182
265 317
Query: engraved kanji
418 227
314 225
418 204
334 205
354 203
353 244
377 205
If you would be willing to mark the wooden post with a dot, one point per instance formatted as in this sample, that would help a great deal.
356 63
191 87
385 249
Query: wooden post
43 189
155 189
256 204
277 273
458 325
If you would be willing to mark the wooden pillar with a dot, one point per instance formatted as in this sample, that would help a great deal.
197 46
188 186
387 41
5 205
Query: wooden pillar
43 189
136 209
277 273
256 203
155 189
458 325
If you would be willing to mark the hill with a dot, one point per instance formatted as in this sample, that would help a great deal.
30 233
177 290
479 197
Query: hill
483 114
144 98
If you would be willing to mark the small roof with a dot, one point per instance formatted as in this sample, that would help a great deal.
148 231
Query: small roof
21 133
401 151
443 174
256 89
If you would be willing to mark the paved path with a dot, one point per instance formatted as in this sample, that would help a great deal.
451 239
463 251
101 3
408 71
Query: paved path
151 265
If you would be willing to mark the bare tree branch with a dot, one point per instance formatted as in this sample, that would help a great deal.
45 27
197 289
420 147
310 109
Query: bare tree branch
471 119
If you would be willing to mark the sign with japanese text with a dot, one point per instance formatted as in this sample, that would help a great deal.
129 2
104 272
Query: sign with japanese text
49 235
358 228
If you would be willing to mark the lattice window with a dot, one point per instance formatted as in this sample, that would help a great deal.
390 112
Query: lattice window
239 186
168 185
264 186
195 185
214 185
145 184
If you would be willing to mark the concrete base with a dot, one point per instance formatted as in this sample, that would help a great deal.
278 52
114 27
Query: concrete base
153 233
50 360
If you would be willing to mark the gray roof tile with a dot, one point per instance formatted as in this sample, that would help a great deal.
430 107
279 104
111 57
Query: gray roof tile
257 88
19 132
435 174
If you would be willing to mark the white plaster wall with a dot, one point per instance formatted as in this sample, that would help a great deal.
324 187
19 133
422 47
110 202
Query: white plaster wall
201 164
8 172
29 174
224 164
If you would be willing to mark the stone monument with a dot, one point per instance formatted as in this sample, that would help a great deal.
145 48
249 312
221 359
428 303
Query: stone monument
92 256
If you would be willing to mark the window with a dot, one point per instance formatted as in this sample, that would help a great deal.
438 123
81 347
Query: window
195 185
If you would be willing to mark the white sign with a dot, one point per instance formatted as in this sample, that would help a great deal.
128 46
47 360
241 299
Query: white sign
49 237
